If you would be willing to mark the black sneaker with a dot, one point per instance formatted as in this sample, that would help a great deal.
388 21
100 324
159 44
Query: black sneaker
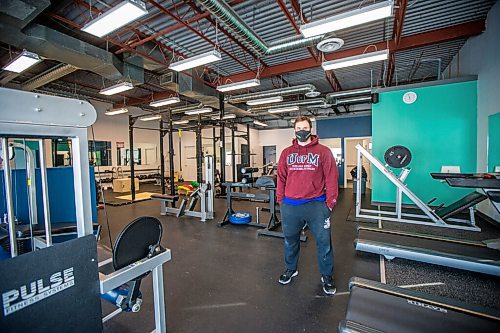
328 286
286 277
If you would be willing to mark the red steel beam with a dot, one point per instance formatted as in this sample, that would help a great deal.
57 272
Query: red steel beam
408 42
70 23
169 13
397 31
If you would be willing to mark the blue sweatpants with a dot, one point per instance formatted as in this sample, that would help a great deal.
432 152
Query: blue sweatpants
316 215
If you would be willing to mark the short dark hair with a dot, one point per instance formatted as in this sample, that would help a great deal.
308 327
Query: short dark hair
303 118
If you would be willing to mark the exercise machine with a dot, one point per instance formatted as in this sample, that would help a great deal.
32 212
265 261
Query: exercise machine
204 194
400 157
136 254
17 119
264 184
482 257
375 307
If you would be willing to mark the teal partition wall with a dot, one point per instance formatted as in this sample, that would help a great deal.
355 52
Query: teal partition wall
493 141
439 128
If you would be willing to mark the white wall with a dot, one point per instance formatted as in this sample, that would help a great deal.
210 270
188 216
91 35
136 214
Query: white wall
481 56
115 129
281 138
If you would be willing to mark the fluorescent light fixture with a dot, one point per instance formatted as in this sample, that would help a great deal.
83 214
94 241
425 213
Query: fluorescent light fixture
166 101
354 100
284 109
117 88
116 111
149 118
267 100
356 60
198 111
180 122
260 123
22 62
226 116
239 85
115 18
198 60
352 18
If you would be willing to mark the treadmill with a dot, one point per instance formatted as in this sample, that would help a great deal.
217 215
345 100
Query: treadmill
482 257
438 250
375 307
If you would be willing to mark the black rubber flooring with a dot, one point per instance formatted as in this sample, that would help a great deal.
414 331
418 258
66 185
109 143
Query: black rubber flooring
225 279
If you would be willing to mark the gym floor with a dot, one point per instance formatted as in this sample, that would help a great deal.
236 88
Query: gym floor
225 279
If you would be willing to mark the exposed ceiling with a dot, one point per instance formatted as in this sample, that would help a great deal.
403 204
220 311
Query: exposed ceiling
422 37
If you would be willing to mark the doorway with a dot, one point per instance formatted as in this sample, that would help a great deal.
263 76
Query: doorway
351 159
269 154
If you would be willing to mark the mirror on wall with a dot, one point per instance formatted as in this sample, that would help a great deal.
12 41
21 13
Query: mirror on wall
144 154
61 152
100 153
494 143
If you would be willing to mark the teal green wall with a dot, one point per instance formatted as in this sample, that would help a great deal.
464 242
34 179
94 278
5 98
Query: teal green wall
440 128
493 141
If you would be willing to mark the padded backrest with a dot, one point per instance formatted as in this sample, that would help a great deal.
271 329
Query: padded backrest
132 244
458 206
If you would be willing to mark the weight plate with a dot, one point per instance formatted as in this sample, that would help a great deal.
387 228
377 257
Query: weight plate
397 156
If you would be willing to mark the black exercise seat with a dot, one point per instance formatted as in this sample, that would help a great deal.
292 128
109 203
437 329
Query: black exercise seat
458 206
23 230
165 197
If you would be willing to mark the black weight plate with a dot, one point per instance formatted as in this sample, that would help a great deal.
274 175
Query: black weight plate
397 156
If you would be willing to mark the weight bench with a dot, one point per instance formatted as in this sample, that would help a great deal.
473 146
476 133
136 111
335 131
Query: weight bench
136 253
467 202
164 199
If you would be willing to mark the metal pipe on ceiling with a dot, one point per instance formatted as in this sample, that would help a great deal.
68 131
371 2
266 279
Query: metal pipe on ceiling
234 23
303 102
302 89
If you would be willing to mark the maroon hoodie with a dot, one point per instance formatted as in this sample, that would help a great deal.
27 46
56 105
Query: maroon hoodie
307 172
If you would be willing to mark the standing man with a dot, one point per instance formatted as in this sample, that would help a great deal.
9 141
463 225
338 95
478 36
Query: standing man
307 192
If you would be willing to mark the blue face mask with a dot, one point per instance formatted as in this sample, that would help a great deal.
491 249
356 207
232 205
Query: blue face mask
302 135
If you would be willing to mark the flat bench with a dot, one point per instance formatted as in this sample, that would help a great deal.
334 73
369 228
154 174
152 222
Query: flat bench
165 197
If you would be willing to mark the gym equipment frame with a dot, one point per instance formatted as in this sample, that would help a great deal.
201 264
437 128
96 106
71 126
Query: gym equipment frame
204 193
33 115
431 217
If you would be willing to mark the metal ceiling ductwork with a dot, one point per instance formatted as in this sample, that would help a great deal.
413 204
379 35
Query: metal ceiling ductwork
302 89
234 23
304 102
208 96
51 44
52 74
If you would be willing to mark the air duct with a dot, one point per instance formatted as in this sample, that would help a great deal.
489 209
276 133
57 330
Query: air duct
231 19
294 90
52 74
49 43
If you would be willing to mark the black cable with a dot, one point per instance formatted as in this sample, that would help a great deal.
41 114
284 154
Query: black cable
102 193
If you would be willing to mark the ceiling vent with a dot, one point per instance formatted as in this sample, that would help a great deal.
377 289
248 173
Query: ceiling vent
330 45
